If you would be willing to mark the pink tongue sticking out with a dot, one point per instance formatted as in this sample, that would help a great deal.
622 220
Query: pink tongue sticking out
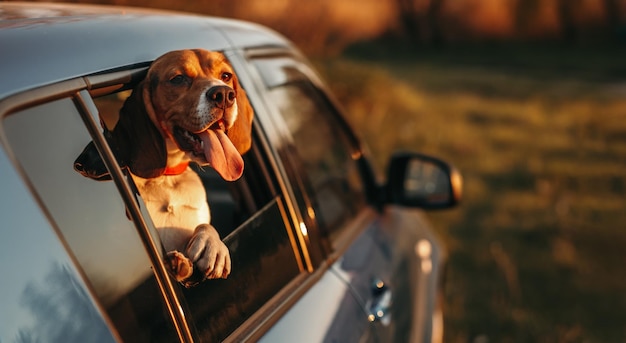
221 154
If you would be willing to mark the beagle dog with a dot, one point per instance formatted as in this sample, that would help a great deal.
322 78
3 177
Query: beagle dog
189 108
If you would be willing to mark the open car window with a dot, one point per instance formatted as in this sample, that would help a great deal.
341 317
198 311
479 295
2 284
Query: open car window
251 217
92 218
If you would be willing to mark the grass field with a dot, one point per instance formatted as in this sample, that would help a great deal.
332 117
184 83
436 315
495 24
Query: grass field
537 250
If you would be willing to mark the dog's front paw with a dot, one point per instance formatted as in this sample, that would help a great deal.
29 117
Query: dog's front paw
209 253
178 265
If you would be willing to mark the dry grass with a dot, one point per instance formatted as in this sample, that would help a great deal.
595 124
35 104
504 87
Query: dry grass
537 247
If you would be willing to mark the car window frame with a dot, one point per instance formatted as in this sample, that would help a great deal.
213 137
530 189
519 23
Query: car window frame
262 319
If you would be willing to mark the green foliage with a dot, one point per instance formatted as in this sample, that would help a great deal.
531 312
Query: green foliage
536 250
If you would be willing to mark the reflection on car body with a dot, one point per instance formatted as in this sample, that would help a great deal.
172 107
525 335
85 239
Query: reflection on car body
321 250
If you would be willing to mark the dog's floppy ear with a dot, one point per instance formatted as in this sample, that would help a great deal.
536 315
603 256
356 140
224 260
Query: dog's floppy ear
135 140
241 131
89 164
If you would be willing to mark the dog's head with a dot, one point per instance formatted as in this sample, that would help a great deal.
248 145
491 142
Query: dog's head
190 106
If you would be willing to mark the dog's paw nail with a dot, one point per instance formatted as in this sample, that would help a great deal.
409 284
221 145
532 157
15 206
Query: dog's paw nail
179 265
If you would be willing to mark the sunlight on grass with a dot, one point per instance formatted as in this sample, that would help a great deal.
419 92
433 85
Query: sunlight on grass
544 163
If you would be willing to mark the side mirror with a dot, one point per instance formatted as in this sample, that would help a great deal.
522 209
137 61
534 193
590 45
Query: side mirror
422 181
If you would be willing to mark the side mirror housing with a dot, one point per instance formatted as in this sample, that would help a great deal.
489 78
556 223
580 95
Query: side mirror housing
422 181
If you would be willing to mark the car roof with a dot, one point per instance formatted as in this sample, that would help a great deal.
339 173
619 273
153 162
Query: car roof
46 43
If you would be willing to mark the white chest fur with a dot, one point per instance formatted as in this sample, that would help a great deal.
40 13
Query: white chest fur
177 205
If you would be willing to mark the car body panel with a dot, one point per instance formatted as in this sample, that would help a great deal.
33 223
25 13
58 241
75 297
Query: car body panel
41 46
327 304
396 248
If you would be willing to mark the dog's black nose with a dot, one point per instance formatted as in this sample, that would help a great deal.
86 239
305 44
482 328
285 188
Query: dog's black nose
221 96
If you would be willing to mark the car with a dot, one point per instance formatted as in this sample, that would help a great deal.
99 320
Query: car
322 249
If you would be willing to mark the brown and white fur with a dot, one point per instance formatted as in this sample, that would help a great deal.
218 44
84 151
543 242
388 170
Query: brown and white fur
189 108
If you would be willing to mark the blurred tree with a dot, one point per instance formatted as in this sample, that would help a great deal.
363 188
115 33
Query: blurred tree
434 18
525 15
408 15
421 21
567 15
613 17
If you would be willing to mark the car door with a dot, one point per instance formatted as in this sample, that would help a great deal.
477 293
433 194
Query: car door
109 234
388 258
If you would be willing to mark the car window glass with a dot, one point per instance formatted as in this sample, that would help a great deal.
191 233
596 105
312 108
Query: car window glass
251 219
324 151
91 217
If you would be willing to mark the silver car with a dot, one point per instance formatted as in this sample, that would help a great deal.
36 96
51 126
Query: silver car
322 251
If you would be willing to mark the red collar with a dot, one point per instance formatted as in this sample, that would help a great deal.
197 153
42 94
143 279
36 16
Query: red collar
176 170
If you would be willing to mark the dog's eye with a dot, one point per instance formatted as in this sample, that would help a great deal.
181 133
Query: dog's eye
226 76
177 80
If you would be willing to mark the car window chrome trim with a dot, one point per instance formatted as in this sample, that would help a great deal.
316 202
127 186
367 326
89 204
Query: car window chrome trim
115 81
40 95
